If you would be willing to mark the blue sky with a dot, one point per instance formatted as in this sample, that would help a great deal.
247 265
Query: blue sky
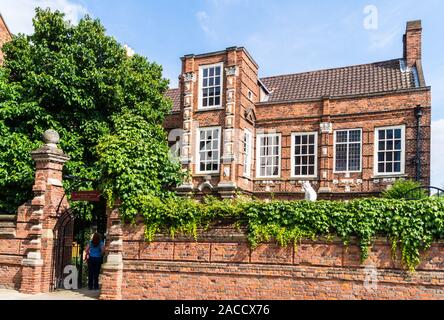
283 36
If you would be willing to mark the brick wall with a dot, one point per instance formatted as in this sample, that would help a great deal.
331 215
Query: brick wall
366 113
221 265
27 238
15 244
13 241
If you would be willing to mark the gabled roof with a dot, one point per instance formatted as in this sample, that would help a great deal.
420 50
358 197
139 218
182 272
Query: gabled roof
174 95
362 79
3 22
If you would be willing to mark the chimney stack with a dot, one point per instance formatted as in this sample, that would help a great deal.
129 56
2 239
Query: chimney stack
413 42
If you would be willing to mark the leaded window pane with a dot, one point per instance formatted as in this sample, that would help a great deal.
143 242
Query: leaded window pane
348 150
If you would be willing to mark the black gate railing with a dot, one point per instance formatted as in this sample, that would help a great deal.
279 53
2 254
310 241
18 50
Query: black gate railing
423 192
62 252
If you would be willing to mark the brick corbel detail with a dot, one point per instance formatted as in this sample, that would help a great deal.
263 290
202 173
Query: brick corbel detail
227 185
326 138
112 270
188 79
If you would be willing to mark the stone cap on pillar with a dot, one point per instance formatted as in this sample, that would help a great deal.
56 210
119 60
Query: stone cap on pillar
49 151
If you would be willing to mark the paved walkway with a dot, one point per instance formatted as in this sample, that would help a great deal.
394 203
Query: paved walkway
6 294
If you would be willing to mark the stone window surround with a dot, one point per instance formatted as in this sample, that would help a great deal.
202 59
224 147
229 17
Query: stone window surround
200 107
198 131
258 148
293 149
376 150
348 143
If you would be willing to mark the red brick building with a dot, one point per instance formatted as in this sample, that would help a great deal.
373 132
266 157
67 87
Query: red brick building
350 131
5 36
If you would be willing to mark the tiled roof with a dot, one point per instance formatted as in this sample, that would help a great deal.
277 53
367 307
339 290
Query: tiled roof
354 80
174 95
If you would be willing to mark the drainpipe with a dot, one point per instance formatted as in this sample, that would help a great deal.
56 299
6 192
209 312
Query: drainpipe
418 115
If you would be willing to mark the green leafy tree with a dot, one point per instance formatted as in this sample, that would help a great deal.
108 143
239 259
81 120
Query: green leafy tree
123 155
405 188
79 81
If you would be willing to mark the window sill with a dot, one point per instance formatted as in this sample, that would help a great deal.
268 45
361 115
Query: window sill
304 179
209 109
391 176
201 174
346 172
269 178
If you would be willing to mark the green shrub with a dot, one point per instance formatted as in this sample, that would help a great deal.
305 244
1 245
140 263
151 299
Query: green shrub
402 188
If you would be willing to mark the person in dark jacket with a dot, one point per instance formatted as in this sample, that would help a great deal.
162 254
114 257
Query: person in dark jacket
94 255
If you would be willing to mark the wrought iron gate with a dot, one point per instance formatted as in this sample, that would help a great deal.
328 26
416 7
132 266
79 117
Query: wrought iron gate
424 191
62 252
71 234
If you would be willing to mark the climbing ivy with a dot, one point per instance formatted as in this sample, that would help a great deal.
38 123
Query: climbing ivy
410 225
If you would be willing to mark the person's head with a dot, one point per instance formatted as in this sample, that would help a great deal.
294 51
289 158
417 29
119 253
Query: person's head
96 239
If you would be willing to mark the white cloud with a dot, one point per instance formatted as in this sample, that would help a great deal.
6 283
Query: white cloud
204 21
228 2
438 153
382 39
18 14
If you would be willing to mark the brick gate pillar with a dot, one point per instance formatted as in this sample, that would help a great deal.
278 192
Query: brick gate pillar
48 191
112 270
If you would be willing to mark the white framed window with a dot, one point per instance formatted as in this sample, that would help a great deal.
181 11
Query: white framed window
248 139
210 86
304 154
348 151
208 151
268 158
389 150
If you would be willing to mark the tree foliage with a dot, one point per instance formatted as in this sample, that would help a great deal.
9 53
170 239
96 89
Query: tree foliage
80 82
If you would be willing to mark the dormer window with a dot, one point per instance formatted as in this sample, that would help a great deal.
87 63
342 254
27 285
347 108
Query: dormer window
210 96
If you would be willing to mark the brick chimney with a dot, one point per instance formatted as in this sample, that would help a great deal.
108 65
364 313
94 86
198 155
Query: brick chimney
413 42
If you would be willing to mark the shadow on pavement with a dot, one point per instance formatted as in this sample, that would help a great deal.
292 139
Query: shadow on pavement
82 294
